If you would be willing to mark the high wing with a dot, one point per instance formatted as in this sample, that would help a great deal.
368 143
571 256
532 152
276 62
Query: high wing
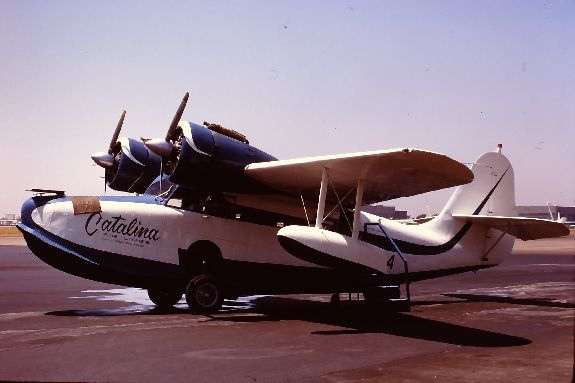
520 227
387 174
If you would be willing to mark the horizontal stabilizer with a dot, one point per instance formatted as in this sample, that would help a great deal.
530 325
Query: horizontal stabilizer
520 227
388 174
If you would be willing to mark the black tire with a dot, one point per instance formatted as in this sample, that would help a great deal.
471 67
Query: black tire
335 300
381 294
164 298
386 299
203 295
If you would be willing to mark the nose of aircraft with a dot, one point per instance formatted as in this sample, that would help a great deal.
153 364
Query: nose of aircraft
26 211
32 204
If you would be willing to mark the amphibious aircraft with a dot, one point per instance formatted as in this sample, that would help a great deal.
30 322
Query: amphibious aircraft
215 218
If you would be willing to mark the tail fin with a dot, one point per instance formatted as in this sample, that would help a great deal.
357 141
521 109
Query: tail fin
492 191
489 201
480 209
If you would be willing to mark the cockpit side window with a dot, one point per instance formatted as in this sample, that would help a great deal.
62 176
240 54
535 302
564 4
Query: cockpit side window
158 187
187 199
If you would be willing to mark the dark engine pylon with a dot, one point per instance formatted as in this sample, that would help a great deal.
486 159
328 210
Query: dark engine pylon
207 157
213 160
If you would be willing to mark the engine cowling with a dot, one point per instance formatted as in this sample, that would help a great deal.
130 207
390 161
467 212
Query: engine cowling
206 159
135 166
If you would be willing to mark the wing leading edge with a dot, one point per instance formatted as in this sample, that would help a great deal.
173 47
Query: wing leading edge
520 227
387 174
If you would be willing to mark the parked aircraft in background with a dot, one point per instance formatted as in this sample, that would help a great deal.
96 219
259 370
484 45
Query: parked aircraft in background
217 218
563 220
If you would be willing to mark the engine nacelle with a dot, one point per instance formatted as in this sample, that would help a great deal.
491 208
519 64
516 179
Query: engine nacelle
136 169
213 161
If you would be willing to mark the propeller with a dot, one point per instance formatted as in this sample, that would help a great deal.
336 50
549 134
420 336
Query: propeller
107 160
163 146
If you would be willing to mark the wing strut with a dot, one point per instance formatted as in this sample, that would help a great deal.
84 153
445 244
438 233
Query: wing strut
356 227
357 212
322 197
503 232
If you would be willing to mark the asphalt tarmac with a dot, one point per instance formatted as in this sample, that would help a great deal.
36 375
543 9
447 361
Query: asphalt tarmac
512 322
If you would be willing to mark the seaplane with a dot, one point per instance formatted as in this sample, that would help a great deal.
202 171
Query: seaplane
211 217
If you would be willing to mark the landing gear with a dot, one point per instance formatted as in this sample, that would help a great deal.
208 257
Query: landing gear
203 295
335 300
381 293
387 298
164 298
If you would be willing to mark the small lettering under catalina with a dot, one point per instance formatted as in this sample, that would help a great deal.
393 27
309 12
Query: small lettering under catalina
120 225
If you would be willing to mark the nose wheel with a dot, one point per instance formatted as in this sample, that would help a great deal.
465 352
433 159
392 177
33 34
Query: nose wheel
203 295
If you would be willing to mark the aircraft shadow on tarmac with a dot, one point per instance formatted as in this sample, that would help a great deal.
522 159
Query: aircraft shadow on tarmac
359 318
353 317
543 302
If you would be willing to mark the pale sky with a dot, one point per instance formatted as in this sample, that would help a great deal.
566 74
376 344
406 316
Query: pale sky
299 78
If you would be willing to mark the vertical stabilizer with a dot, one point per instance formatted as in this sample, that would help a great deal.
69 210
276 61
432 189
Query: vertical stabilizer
492 191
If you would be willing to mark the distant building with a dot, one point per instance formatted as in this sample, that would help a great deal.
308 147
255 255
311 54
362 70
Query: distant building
541 212
9 220
388 212
567 212
545 212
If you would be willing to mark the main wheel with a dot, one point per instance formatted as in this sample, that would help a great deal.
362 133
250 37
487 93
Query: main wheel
164 298
381 294
203 295
335 300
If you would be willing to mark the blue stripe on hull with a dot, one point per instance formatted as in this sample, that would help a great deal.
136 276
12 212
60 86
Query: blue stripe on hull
99 265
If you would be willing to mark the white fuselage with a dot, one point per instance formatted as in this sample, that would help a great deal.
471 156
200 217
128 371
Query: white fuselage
156 232
168 229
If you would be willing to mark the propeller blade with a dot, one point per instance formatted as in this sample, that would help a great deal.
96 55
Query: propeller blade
117 133
177 117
